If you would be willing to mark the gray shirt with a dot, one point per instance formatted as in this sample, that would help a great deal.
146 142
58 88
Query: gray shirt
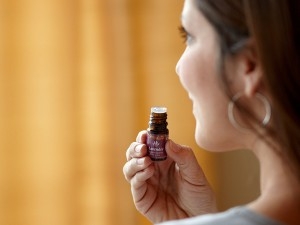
234 216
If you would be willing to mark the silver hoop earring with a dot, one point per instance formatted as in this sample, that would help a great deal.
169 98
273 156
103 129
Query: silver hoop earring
232 104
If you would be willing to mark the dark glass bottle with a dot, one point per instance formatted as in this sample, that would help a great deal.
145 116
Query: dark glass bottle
158 134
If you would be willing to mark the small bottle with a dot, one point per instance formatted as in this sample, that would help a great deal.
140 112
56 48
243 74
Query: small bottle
158 134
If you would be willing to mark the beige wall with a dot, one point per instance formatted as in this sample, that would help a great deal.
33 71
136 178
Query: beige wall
77 80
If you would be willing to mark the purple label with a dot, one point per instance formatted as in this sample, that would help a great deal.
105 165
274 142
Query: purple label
156 146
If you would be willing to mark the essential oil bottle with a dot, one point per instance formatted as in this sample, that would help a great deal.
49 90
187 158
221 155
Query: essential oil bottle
157 134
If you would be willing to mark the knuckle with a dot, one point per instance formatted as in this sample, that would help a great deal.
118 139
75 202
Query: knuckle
130 151
125 170
128 154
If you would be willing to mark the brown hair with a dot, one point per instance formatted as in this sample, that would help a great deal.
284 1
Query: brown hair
275 27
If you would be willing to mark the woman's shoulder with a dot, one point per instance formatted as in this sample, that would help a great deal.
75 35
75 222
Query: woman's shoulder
234 216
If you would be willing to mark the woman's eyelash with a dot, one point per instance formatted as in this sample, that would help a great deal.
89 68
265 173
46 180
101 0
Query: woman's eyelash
183 33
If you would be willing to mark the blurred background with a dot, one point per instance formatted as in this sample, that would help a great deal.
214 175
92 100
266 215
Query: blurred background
77 80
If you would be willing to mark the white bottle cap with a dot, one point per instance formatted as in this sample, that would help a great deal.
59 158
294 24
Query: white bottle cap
158 109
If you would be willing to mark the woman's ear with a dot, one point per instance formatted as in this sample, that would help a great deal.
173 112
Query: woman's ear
250 69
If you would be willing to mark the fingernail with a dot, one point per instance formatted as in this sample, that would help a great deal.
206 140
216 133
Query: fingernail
174 146
138 149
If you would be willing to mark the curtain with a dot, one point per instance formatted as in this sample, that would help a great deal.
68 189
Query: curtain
77 80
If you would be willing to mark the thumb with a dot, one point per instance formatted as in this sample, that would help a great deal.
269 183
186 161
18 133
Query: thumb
186 162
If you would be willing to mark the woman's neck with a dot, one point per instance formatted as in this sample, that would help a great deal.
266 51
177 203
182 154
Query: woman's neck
280 189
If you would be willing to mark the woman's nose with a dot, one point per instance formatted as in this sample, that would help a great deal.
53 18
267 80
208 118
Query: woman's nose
177 68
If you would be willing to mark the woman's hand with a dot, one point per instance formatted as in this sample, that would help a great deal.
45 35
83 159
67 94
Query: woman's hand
171 189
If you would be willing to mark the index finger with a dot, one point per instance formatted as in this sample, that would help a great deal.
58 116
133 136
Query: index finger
136 150
142 137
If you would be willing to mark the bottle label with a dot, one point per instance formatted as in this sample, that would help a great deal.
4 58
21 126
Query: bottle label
156 146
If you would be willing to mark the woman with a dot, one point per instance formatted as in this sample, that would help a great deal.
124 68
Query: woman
241 70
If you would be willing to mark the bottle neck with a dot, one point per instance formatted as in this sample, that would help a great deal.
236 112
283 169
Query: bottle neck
158 123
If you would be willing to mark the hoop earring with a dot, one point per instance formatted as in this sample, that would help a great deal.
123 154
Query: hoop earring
232 104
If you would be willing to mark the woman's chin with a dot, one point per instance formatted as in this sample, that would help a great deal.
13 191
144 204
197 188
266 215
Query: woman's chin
212 143
202 141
